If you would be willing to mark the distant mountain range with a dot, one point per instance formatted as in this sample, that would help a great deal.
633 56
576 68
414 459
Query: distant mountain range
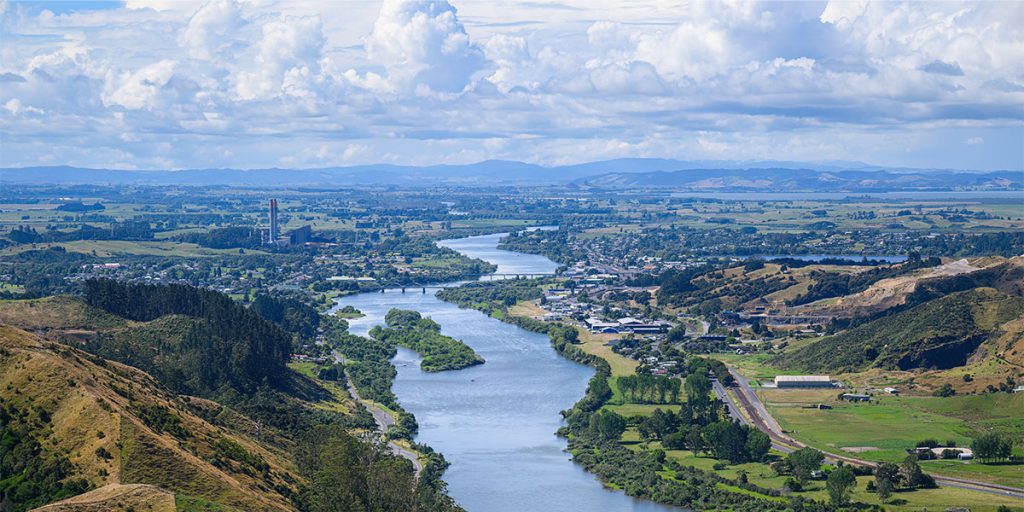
627 173
796 180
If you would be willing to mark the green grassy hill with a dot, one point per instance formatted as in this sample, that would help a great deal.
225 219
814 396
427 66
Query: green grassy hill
940 333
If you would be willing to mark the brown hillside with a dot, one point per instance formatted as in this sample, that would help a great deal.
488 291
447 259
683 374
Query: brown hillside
118 426
1000 273
135 497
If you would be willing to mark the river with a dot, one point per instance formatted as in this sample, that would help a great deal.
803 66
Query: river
496 422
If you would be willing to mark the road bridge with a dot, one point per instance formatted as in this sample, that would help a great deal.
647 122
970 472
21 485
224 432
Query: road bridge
422 288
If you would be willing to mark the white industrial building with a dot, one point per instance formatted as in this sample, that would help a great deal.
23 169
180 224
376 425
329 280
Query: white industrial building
803 381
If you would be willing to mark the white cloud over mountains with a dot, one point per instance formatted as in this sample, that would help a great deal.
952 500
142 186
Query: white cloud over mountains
257 83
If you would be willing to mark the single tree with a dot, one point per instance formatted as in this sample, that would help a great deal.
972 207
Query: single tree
887 477
911 474
840 483
695 440
804 461
608 425
758 444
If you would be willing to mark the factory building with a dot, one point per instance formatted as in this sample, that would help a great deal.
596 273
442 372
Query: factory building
803 381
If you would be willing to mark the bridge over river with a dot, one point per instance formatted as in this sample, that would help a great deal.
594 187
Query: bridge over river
495 422
486 277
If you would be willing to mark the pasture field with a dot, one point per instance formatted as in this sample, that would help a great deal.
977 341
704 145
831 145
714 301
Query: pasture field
597 344
787 216
762 475
342 402
108 248
883 430
753 366
627 410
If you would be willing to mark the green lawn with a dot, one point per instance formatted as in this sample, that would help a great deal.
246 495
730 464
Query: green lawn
919 500
897 423
185 503
752 366
348 316
628 410
437 263
11 288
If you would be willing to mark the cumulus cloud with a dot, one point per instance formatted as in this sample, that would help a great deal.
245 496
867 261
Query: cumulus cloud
421 82
422 42
286 60
139 89
15 107
636 77
211 30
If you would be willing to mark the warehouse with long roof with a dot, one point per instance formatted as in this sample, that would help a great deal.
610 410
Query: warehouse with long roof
803 381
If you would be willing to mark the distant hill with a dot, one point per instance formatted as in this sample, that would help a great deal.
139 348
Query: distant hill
940 333
720 176
898 289
804 180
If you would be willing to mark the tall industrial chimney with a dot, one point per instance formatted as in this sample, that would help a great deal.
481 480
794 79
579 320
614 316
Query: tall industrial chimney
273 222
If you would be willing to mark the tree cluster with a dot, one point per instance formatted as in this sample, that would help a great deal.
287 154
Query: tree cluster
290 314
408 329
31 475
890 477
231 345
649 388
992 447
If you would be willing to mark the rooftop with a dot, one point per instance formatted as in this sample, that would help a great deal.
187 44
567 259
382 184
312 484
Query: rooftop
803 378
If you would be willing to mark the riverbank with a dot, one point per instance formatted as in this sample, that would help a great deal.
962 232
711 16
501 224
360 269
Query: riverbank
385 419
498 418
642 474
364 366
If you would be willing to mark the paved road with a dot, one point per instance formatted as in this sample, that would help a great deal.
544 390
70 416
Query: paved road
758 413
722 395
692 330
384 421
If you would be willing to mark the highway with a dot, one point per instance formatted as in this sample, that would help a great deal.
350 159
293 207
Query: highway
749 410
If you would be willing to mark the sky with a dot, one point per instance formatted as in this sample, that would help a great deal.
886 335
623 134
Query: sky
174 84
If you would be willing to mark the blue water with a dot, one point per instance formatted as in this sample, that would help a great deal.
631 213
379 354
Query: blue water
495 422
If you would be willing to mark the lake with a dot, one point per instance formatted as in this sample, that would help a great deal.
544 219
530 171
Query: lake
496 422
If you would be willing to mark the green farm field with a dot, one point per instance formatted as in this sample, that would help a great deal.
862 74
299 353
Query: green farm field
627 410
882 431
780 216
763 476
106 248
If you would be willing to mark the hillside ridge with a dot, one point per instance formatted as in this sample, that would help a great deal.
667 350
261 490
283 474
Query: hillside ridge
117 425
